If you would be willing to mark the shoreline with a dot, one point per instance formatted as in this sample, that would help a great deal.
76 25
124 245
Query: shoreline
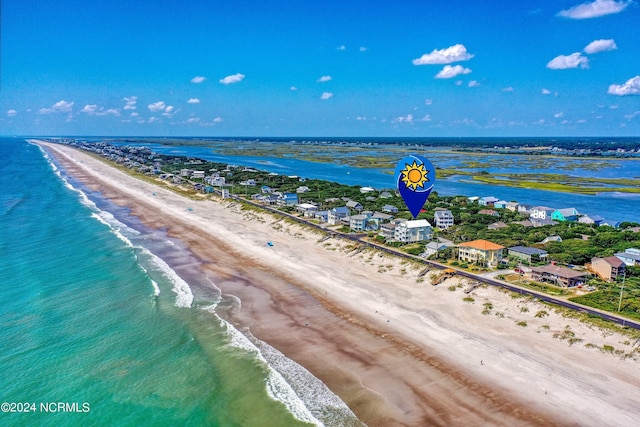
406 354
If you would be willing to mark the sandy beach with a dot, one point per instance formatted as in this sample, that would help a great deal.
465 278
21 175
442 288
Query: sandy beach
396 349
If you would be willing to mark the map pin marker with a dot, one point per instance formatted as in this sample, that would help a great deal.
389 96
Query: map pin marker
415 177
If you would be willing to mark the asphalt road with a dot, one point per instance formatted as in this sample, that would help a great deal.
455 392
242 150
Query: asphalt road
358 238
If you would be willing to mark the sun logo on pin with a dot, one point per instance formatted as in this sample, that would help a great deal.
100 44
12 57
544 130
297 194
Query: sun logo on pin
414 175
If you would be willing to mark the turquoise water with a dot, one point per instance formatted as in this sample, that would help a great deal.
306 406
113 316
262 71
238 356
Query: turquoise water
116 321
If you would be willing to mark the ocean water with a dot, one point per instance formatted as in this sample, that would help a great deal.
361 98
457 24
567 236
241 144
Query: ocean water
105 322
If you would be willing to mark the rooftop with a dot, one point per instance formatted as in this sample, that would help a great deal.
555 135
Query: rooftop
484 245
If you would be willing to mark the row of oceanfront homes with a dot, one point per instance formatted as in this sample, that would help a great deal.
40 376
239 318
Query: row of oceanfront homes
351 215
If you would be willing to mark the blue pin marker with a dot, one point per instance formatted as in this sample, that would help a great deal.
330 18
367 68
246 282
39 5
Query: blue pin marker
415 177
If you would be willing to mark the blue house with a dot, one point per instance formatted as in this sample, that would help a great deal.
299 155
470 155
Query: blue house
488 201
500 204
288 199
630 256
567 214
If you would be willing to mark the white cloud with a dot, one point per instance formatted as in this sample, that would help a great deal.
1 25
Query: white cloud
234 78
134 114
326 95
154 120
193 101
94 110
426 118
363 49
428 101
451 54
11 113
169 111
89 109
130 102
217 120
157 106
193 120
595 9
474 83
198 79
59 107
630 87
293 88
600 46
404 119
562 62
559 115
546 92
508 89
343 47
449 71
324 79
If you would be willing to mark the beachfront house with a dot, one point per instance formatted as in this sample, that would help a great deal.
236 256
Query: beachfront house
307 209
609 268
335 215
566 214
559 276
321 216
387 230
366 221
481 252
358 223
433 248
443 218
528 254
288 199
413 231
630 257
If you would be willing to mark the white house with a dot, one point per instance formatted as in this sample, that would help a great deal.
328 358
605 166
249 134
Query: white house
443 219
307 209
541 212
413 231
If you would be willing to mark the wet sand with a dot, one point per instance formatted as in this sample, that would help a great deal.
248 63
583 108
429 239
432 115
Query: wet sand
397 351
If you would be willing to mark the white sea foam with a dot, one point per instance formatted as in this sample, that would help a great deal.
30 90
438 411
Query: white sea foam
305 396
156 288
184 296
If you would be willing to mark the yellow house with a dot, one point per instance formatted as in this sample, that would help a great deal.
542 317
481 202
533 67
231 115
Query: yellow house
482 252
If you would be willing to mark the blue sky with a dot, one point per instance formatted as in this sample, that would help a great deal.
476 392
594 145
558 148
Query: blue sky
321 68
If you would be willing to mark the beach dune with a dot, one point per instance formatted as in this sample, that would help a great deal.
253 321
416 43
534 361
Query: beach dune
397 350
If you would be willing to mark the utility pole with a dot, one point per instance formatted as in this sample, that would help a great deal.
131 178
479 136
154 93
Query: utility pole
624 276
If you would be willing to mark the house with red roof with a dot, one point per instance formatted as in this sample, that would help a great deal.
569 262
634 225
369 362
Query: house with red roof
481 252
